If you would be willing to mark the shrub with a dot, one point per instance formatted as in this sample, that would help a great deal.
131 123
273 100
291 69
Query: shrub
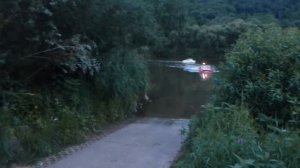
226 137
53 91
123 81
35 125
263 70
124 74
262 74
216 135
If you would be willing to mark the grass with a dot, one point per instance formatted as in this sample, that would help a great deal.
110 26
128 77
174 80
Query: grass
228 137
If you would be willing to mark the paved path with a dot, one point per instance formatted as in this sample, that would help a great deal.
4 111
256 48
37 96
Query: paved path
146 143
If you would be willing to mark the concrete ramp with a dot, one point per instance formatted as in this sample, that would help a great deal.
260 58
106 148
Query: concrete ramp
146 143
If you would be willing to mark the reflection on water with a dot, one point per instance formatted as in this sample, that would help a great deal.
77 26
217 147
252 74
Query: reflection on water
177 90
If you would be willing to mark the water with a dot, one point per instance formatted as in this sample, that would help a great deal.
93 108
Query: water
177 90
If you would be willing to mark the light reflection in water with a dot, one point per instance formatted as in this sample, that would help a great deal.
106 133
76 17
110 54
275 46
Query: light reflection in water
205 71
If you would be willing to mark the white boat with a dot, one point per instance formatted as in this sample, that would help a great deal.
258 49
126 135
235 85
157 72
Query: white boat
191 68
188 61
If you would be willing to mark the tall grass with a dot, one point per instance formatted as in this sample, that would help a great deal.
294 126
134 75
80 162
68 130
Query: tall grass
227 137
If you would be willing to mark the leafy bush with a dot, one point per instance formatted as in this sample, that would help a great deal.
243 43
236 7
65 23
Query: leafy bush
263 70
123 81
33 49
124 73
262 74
36 124
55 88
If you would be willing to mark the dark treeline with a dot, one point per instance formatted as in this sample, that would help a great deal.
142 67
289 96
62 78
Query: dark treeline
68 67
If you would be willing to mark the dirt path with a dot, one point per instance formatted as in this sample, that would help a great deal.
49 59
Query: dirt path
146 143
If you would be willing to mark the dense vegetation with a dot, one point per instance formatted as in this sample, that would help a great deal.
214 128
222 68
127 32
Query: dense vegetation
68 67
253 120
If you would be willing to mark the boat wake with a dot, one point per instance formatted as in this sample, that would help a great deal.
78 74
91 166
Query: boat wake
185 65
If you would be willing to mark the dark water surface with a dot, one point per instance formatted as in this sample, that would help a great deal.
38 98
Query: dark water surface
177 90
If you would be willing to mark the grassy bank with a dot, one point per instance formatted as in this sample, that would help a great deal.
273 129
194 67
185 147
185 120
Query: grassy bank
253 119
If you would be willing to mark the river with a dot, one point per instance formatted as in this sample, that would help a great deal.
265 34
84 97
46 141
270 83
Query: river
177 90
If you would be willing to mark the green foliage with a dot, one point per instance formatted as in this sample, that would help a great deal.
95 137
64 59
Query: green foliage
124 73
205 11
216 134
126 23
218 22
33 49
263 71
281 9
218 37
74 65
35 125
226 137
254 119
171 15
63 72
124 79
